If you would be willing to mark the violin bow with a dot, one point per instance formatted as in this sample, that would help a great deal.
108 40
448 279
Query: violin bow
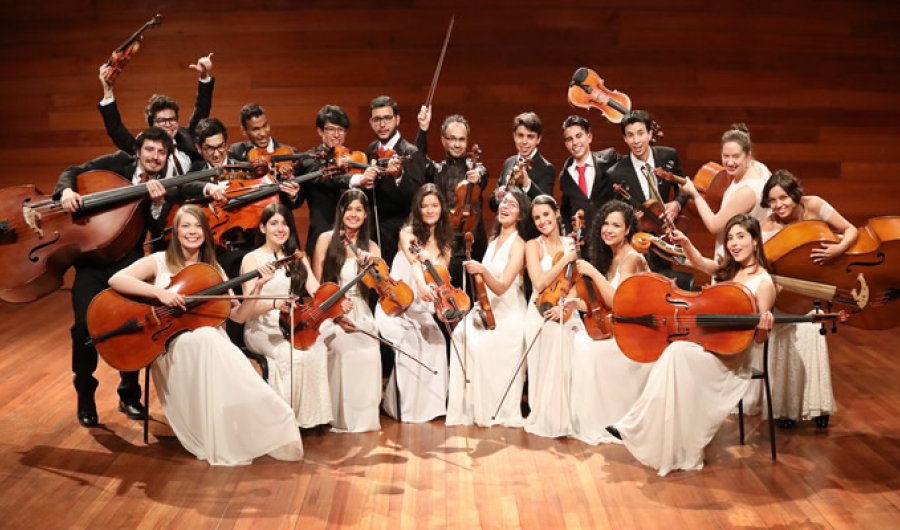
519 368
437 70
389 344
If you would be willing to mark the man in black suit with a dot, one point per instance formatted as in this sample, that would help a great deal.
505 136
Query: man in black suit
391 191
162 111
147 164
541 177
583 181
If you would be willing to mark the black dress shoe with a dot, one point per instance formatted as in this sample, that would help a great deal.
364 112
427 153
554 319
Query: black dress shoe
786 423
87 417
133 410
822 421
611 429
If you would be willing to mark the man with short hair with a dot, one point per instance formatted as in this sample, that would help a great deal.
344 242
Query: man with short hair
540 178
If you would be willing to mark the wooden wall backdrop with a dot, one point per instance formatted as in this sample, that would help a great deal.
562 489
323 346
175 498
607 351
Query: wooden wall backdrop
817 82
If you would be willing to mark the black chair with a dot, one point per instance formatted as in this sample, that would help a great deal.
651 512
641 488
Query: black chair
764 375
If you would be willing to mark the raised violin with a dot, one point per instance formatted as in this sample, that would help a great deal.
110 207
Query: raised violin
711 182
41 240
462 215
484 304
394 296
450 303
587 91
123 54
650 312
129 334
309 316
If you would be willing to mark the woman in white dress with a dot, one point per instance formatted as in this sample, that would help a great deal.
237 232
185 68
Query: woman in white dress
492 357
798 354
354 359
691 391
549 338
219 408
300 377
606 383
422 393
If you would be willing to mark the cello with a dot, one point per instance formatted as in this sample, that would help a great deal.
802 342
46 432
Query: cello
394 296
462 216
129 334
865 280
39 240
650 312
484 304
123 54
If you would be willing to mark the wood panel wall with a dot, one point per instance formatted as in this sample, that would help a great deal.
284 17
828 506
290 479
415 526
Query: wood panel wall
817 82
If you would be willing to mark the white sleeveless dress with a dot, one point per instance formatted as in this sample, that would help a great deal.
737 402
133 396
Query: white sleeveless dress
423 394
220 409
605 383
491 357
300 377
688 396
549 367
354 364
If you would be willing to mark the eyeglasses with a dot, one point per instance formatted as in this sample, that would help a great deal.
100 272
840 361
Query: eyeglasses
334 130
210 149
382 119
166 121
455 139
510 202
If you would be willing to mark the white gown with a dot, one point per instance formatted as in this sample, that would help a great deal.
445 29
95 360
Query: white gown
305 386
423 394
220 409
491 356
759 212
687 397
354 364
605 384
549 368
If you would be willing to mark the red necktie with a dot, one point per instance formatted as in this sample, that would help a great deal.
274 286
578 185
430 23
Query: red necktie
582 181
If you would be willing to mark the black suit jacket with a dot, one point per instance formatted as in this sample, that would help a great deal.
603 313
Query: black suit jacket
573 199
322 196
240 152
542 175
665 157
184 138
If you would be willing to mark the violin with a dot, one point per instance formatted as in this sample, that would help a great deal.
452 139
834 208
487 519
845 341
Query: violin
516 173
263 162
587 91
123 54
484 304
354 161
394 296
865 280
596 318
327 303
650 312
129 334
462 216
559 288
450 303
644 242
39 240
711 182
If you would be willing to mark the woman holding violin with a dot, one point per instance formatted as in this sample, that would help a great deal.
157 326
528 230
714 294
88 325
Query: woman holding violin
422 393
248 419
801 370
354 359
690 391
606 383
549 331
299 376
491 356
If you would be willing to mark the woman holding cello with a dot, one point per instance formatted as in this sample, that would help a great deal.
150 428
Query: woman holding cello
491 356
300 377
606 383
801 370
422 393
218 406
549 330
354 360
690 391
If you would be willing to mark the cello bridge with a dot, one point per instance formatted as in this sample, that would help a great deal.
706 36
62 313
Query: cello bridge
33 218
861 296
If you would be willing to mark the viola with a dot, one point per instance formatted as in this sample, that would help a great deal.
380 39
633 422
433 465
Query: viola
865 280
40 240
308 317
394 296
587 91
560 287
650 312
129 334
462 215
484 304
711 182
123 54
450 303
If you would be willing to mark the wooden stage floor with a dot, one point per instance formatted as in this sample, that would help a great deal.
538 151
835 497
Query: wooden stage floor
56 474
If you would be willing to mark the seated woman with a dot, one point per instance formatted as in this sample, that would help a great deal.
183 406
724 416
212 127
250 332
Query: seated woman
218 406
606 383
798 354
300 377
354 359
690 391
491 356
